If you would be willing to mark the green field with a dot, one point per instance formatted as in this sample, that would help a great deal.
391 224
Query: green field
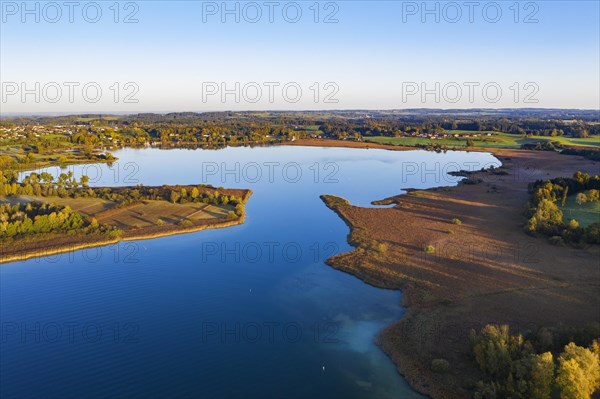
497 140
310 128
585 214
98 118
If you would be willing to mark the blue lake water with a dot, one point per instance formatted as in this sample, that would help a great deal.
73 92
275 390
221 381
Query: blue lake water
249 311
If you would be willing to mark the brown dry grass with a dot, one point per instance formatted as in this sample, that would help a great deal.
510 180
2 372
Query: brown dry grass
147 213
486 271
86 206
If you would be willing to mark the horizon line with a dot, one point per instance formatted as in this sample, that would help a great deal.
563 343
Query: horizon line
133 113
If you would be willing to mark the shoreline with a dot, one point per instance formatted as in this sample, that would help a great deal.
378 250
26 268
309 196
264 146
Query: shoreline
378 146
346 144
445 295
39 247
134 236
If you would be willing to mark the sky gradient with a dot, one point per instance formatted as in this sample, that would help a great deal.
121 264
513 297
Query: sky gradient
181 55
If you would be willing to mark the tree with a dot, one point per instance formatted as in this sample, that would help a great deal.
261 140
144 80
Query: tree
563 201
195 193
94 223
547 217
581 198
47 178
578 372
239 209
491 350
542 376
174 196
573 224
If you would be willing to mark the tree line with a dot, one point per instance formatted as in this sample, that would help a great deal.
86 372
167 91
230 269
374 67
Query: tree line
545 216
34 218
67 186
540 366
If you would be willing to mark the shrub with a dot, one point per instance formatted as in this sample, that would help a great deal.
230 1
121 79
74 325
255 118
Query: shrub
440 366
456 221
382 247
185 223
159 222
429 249
573 224
592 233
115 233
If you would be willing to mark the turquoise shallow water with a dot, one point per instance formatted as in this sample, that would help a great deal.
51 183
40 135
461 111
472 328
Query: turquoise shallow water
244 312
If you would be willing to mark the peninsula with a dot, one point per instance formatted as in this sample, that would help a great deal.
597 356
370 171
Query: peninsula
41 216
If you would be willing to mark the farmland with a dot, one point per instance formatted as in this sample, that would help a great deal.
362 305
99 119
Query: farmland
482 140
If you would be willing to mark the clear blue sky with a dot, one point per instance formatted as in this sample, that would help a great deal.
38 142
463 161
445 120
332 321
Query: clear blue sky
378 55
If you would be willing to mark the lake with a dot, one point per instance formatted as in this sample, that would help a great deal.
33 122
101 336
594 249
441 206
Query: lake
250 311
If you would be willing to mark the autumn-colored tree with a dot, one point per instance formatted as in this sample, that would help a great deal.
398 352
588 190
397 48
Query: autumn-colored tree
578 372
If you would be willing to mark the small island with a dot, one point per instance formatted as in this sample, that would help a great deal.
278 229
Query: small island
41 215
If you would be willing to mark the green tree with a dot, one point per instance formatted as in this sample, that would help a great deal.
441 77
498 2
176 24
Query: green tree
491 350
542 376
